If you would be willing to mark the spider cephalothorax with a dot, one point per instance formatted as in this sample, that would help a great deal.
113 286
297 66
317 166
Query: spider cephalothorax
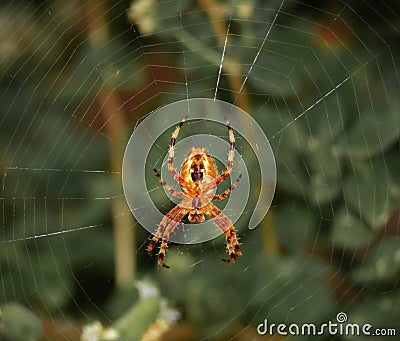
198 178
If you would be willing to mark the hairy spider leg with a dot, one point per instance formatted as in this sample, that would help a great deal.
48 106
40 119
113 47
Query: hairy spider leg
170 227
228 190
228 170
174 136
225 224
168 187
165 220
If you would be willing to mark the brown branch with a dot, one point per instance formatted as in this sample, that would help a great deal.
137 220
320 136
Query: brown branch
215 12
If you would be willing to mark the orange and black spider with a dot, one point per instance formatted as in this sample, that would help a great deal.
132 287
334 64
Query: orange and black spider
198 179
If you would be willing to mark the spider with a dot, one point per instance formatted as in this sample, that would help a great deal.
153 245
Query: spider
198 178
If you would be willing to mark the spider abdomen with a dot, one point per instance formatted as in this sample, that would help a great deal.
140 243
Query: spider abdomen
196 203
197 164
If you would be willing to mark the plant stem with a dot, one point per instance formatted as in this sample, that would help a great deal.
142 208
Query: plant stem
233 72
124 236
112 113
236 81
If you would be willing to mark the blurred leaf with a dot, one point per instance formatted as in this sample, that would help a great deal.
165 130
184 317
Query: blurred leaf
367 190
289 289
50 139
382 263
277 74
115 63
200 283
381 312
325 122
293 225
120 301
392 161
323 191
325 174
348 231
42 268
175 282
17 323
86 256
54 284
218 296
374 131
281 68
287 145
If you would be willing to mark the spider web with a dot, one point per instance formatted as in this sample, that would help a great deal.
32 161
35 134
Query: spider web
321 80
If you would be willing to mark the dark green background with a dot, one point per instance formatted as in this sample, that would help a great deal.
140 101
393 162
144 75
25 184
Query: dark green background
76 77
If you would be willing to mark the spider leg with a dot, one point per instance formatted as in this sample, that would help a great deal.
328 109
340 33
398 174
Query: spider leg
170 227
171 168
167 218
228 170
228 190
225 224
168 187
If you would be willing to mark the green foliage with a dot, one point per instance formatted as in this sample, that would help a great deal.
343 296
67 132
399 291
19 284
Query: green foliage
295 226
138 319
17 323
380 311
381 264
216 298
337 176
349 231
368 191
141 319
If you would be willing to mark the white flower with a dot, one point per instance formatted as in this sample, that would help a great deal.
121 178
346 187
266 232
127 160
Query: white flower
96 332
92 332
146 289
110 334
171 314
